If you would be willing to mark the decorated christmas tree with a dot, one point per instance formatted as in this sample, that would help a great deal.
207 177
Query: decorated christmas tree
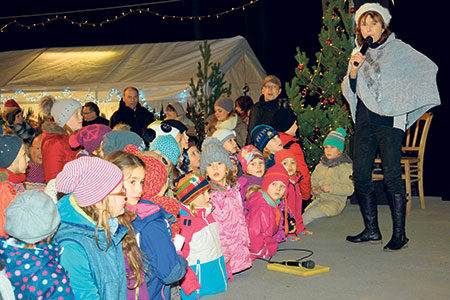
315 91
209 87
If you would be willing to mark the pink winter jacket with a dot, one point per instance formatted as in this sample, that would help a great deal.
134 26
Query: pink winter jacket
294 203
262 226
229 215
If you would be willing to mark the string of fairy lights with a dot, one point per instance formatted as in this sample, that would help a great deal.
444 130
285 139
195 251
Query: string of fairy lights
63 17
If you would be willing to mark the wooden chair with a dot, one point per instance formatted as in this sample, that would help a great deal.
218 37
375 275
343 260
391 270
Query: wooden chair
412 158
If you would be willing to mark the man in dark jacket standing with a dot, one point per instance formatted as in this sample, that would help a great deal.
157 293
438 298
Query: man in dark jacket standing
131 112
264 110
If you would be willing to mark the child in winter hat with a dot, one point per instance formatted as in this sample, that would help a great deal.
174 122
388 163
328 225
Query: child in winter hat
267 140
13 164
63 109
212 150
31 220
228 139
89 179
189 186
167 146
252 162
336 138
31 217
89 138
264 208
331 180
118 140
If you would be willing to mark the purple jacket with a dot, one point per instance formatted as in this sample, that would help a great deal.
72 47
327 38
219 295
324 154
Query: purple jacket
233 233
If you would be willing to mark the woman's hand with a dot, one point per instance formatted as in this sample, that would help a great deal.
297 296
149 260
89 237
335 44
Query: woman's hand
359 58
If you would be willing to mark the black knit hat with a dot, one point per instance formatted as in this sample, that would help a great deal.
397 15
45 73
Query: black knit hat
283 120
9 148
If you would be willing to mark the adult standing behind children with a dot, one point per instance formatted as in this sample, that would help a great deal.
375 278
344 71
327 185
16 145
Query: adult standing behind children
131 112
91 115
395 86
225 118
269 102
55 147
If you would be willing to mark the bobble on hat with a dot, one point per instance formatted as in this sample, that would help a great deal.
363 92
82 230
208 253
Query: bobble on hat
247 154
89 179
9 148
189 186
336 139
31 217
89 137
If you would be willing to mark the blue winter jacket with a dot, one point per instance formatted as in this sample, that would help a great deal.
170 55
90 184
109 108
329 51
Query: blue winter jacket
93 273
153 231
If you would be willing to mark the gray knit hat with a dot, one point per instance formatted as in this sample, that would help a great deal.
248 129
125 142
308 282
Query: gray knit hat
212 150
63 109
117 140
225 103
9 148
31 217
224 135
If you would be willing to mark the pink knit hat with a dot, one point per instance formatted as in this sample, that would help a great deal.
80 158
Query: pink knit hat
275 173
247 154
89 179
89 137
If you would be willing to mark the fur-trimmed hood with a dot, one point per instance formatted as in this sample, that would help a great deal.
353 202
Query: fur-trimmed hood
52 127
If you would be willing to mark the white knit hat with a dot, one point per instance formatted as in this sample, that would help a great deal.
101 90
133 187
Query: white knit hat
89 179
63 109
384 12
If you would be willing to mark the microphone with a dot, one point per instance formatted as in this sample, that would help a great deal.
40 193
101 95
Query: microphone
364 48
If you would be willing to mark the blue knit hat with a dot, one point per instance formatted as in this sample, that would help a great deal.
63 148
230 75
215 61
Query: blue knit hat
336 139
261 135
212 150
168 146
117 140
9 148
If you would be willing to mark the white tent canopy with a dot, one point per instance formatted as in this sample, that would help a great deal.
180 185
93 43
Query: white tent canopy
160 71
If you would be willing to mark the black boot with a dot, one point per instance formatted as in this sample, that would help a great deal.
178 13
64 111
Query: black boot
398 209
371 232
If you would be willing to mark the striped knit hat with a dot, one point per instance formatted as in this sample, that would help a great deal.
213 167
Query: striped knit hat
89 179
336 139
189 186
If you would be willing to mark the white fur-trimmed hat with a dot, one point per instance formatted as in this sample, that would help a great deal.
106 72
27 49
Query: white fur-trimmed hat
383 11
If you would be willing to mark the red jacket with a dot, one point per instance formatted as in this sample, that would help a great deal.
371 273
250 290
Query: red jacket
305 183
56 151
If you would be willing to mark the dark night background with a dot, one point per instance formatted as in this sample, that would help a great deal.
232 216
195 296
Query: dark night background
274 28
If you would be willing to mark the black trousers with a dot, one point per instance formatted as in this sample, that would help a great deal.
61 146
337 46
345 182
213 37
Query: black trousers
372 132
